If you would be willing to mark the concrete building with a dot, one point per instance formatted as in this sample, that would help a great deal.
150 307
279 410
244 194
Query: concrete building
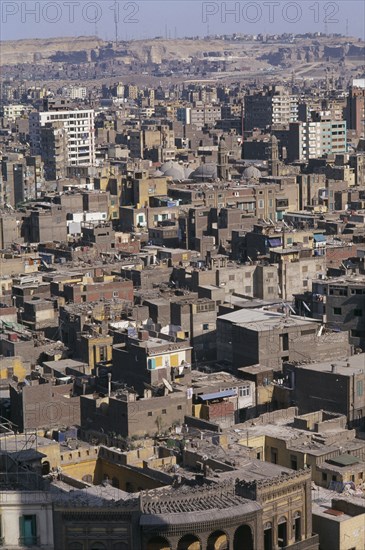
27 519
79 127
339 520
45 222
339 302
338 386
247 337
54 147
44 406
128 415
146 359
221 398
355 110
197 320
273 105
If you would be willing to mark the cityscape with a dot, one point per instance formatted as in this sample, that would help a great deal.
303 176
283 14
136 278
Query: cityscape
182 276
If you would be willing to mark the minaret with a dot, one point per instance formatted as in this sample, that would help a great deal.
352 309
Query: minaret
222 166
274 156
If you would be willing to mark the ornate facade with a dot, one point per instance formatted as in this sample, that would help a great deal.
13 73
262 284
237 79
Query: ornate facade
231 514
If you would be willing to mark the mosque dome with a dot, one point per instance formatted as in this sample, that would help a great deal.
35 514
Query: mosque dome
251 172
205 171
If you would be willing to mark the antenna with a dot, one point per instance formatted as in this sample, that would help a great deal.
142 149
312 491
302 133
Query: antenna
116 9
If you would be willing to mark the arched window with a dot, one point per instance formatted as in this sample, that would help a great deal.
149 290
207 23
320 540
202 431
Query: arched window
158 543
218 541
282 532
189 542
243 538
297 526
268 536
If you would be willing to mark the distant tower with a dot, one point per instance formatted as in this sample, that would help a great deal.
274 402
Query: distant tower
274 156
222 167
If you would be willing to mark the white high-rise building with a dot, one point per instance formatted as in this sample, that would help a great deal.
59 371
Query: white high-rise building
79 126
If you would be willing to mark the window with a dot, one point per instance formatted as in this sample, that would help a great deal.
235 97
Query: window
247 289
307 332
179 407
205 326
324 476
270 290
268 536
274 455
102 353
149 413
163 411
28 530
232 277
359 388
284 339
358 312
282 533
337 311
244 391
293 462
297 527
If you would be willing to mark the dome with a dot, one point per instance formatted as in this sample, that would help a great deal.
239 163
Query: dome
166 166
205 171
157 173
173 169
251 172
175 173
188 171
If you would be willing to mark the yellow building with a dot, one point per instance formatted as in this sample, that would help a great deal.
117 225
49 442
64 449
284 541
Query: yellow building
14 367
95 349
341 524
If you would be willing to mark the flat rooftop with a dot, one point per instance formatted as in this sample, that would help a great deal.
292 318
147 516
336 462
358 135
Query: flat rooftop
261 320
354 364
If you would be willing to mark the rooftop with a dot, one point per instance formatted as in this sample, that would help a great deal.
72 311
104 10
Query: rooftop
352 365
261 320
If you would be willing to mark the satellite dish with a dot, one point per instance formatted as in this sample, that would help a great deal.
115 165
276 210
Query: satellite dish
167 384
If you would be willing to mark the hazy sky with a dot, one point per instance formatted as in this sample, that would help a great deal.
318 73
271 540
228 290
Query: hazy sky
177 18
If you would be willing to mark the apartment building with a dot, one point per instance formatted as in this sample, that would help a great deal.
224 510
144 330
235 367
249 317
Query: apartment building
79 126
272 105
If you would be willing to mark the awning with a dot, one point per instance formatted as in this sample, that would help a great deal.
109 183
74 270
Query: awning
275 242
319 238
218 395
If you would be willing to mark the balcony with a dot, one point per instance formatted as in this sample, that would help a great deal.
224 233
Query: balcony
30 541
310 543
